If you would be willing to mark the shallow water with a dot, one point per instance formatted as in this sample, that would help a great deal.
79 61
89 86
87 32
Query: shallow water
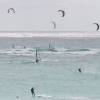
56 76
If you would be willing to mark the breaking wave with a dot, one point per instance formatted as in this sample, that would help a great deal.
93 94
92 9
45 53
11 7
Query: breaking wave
31 51
83 51
63 98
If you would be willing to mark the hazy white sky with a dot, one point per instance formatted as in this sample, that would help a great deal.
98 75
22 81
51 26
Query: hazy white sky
36 15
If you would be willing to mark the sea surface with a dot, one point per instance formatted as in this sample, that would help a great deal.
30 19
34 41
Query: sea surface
56 75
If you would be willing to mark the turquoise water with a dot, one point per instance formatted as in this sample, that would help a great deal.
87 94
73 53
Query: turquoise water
56 76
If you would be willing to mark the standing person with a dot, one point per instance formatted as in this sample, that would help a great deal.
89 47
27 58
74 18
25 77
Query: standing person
33 92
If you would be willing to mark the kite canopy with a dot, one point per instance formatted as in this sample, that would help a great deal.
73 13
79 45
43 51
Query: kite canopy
54 24
97 26
11 10
62 12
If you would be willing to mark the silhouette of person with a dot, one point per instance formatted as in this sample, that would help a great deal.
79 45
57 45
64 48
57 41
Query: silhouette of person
32 92
80 70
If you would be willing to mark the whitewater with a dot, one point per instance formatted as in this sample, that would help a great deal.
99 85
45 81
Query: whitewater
53 34
56 76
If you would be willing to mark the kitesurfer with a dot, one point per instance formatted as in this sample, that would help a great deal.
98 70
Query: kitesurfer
32 92
80 70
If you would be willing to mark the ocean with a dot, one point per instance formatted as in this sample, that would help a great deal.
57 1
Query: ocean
56 76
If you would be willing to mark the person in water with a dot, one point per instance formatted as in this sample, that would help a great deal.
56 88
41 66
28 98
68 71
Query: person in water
32 92
80 70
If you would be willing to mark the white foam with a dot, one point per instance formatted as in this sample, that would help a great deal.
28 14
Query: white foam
50 34
31 52
80 98
91 51
44 96
64 98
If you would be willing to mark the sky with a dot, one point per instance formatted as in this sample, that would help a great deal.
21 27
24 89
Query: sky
38 15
